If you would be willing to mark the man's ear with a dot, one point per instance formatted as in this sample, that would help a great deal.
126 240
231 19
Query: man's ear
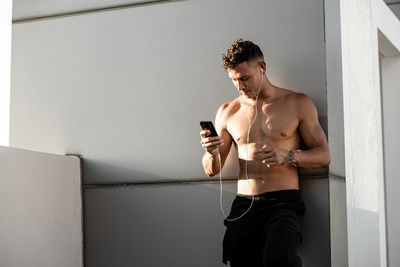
262 65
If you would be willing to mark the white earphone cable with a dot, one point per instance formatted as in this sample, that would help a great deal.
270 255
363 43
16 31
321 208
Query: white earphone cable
247 156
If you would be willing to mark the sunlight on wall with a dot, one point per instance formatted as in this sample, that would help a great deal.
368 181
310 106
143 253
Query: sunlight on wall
5 68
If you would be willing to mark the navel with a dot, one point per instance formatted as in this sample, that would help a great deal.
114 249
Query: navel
283 134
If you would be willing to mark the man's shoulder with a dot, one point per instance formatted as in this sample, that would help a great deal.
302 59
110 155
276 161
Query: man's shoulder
300 102
229 107
288 94
299 99
305 107
226 110
303 101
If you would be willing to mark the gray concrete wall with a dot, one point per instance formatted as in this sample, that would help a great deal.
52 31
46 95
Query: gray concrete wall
391 132
389 55
41 209
5 70
337 170
154 225
109 84
180 224
26 9
395 7
126 89
338 221
315 250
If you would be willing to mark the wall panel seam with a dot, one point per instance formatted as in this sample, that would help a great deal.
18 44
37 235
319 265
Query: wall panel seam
337 176
90 11
178 182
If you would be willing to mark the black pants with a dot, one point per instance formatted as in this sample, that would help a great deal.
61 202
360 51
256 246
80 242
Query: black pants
268 235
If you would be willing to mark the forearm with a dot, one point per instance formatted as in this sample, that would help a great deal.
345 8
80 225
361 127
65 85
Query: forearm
211 164
316 157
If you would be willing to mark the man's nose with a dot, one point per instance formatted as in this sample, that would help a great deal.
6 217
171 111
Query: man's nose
240 85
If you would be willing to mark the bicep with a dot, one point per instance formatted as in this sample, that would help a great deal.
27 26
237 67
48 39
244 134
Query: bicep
226 147
310 130
221 127
312 134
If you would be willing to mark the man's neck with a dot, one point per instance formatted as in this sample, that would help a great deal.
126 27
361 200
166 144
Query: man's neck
267 92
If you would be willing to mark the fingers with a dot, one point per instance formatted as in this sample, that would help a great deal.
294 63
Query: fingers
274 157
265 152
204 133
213 144
264 149
205 140
210 143
268 157
270 162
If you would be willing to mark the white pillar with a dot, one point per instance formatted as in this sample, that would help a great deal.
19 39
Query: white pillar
364 27
5 69
363 159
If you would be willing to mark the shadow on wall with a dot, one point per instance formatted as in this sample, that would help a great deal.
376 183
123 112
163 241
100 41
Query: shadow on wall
97 172
315 248
176 225
366 221
124 223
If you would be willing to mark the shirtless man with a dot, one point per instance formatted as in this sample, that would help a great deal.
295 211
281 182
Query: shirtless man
267 125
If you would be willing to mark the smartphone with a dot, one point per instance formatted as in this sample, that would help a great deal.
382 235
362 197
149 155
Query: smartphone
208 125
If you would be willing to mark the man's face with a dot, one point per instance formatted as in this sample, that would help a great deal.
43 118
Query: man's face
246 78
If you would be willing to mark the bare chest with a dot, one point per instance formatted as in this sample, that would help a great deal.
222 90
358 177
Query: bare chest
273 122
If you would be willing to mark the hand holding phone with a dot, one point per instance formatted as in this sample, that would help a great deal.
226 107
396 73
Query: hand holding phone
212 141
208 125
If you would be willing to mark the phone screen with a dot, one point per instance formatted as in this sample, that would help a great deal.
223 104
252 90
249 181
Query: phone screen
208 125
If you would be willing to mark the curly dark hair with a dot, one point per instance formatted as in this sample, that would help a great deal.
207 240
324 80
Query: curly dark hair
241 51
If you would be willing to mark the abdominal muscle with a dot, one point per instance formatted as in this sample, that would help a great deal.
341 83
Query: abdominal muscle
262 178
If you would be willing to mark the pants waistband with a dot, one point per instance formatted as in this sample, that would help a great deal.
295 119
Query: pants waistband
290 193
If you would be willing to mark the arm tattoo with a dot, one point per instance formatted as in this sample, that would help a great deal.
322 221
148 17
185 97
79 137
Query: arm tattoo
289 157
